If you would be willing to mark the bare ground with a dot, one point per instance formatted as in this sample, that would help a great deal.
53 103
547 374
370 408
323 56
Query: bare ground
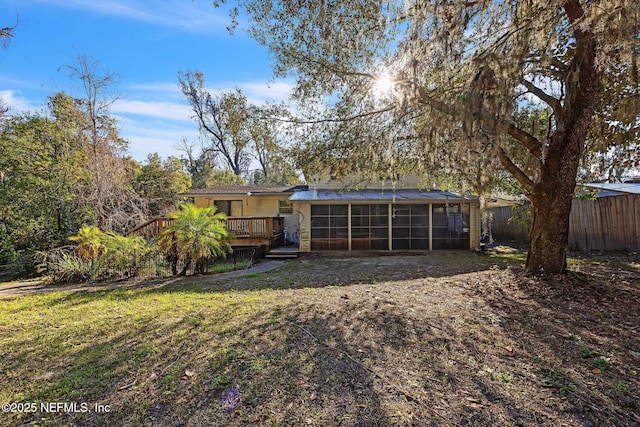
449 338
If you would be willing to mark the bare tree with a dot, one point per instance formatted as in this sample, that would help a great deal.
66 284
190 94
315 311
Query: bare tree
111 194
222 120
6 34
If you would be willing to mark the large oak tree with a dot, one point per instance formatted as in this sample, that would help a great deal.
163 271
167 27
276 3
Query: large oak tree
460 75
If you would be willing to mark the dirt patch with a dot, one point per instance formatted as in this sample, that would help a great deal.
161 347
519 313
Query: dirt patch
455 339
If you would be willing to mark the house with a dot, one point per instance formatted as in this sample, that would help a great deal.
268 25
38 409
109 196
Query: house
256 214
326 217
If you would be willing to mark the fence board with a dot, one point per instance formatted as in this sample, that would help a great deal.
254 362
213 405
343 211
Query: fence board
579 220
608 223
598 229
501 228
629 236
636 209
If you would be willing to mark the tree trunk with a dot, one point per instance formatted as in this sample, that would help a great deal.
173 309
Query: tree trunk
173 256
551 196
550 231
187 264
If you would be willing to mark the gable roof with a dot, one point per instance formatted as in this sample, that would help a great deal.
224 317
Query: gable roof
242 190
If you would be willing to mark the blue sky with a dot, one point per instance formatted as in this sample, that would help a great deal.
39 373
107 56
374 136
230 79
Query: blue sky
146 43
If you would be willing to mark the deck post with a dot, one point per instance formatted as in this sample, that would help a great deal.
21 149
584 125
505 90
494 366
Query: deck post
269 227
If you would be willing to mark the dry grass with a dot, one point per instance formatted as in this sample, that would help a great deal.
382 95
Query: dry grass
443 339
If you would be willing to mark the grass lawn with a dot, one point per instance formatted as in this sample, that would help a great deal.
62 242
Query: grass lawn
442 339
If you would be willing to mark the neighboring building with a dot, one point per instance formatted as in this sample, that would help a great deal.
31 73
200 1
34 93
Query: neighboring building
327 217
630 186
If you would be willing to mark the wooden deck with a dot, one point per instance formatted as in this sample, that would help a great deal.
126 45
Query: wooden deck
247 231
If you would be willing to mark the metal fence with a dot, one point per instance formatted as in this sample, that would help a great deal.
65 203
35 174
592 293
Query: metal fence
65 267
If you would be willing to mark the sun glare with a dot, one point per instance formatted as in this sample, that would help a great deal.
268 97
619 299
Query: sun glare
383 85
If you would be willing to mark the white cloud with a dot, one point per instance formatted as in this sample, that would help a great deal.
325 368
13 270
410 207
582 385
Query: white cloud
162 88
153 109
192 16
16 102
257 92
151 136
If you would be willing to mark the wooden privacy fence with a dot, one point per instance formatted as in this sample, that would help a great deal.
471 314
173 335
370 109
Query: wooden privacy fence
608 223
503 229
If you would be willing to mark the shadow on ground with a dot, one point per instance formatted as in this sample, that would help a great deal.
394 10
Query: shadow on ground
433 340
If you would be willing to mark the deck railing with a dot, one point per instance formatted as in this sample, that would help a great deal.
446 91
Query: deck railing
240 227
252 228
151 228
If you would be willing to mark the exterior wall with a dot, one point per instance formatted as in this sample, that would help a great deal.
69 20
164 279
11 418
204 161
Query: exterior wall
258 205
305 225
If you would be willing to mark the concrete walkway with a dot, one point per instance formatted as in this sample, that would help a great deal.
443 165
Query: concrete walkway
15 289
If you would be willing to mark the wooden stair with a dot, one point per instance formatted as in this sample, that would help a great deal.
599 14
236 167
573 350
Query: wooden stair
283 253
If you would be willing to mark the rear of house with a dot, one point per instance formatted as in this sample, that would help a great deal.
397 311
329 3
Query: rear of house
256 214
326 218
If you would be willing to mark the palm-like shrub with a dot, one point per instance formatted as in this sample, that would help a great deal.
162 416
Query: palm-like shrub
64 266
122 251
194 235
96 254
90 243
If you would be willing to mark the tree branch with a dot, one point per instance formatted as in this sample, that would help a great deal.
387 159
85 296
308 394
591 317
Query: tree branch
530 142
525 138
574 10
543 96
6 33
334 120
331 68
514 170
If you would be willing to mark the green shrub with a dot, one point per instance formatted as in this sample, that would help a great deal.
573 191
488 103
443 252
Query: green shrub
63 265
8 253
96 256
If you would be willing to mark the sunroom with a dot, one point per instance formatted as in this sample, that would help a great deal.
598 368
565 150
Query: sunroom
386 220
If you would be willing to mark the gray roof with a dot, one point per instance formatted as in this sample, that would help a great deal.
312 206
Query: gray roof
241 190
632 188
378 195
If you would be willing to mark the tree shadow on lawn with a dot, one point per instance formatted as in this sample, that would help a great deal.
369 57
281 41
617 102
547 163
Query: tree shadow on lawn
312 272
316 272
198 369
292 366
492 350
577 334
